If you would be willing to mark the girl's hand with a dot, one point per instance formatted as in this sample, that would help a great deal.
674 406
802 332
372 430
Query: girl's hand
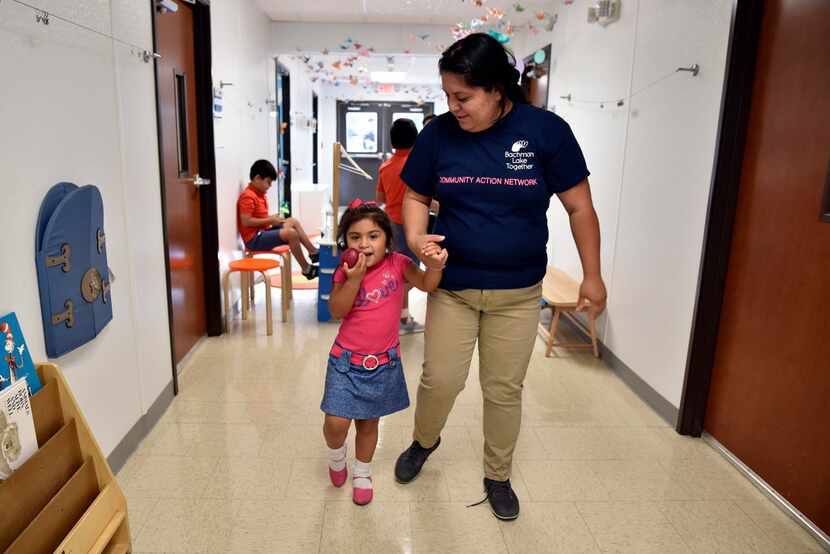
435 257
356 272
592 296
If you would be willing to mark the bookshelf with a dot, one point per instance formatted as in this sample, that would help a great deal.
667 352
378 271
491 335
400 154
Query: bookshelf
65 498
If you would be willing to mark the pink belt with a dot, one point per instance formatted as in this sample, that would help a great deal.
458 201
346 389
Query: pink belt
367 361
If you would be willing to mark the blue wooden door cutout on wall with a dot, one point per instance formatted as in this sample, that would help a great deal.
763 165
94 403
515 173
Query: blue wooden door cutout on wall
72 271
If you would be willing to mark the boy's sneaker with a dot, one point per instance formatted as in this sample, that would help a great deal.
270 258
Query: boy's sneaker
311 272
503 501
411 461
409 327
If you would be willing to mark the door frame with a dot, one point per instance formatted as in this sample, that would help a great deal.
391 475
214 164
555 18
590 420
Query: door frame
207 168
315 152
734 122
283 87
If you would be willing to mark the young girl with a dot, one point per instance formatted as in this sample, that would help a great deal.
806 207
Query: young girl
364 378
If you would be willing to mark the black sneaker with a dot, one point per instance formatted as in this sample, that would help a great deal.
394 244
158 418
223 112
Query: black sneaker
503 500
315 258
311 272
411 461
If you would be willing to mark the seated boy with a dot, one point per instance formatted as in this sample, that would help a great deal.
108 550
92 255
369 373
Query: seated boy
263 231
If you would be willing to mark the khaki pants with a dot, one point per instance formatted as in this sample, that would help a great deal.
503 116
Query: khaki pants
504 324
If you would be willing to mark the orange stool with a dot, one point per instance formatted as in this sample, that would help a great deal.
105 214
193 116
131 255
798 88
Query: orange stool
283 252
247 267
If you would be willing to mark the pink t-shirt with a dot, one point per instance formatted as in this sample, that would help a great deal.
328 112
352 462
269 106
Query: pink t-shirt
371 327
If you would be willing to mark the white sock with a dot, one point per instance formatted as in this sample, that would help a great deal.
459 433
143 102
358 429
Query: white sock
405 313
361 473
337 458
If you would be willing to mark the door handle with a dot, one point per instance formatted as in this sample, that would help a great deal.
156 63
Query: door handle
198 181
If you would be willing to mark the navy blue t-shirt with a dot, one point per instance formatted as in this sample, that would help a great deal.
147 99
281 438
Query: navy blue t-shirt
495 188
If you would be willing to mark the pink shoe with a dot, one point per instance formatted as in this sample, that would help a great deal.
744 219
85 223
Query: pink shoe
362 497
338 477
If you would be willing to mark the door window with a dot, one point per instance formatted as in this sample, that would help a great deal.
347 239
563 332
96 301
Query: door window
362 132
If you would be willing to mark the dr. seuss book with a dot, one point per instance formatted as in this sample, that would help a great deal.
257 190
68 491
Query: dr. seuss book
18 440
16 362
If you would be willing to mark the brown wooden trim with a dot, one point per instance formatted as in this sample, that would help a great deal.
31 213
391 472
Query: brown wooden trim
740 73
207 167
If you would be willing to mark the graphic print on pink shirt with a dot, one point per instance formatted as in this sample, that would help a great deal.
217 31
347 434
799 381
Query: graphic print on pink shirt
371 326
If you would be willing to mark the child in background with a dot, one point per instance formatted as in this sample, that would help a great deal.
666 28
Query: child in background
390 191
263 231
364 378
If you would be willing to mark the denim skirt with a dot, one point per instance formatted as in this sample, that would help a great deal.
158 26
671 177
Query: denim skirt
354 392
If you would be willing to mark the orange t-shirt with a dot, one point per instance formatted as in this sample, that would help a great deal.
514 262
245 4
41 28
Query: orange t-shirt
255 204
390 183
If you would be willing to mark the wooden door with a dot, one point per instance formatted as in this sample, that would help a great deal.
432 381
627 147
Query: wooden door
768 401
180 168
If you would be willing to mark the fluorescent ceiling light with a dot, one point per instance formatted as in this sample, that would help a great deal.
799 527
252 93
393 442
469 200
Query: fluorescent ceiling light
388 76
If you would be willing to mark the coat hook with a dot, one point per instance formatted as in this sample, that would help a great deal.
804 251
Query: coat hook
568 97
42 17
694 69
223 84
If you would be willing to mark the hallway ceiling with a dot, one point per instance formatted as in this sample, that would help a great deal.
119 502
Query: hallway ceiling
389 11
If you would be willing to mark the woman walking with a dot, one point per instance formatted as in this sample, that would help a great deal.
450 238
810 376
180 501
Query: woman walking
495 162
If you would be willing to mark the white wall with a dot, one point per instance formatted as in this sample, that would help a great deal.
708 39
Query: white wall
76 107
240 35
651 163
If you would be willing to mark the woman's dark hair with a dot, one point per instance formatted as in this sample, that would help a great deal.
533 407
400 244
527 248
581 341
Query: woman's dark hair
367 210
264 169
485 63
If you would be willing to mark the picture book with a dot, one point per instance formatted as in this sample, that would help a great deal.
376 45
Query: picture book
16 362
18 440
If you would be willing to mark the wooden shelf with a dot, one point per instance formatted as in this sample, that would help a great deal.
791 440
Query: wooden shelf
65 498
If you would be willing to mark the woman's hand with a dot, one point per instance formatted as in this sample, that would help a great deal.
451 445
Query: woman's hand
426 243
356 272
435 257
592 296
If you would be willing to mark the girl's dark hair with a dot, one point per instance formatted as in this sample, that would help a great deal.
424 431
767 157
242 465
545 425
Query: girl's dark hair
485 63
367 210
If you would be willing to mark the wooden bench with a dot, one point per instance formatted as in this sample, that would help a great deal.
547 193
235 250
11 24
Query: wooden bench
560 293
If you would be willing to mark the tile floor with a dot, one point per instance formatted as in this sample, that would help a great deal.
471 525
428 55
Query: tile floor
237 464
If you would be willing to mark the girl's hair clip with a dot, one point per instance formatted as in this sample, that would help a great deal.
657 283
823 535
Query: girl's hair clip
358 202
